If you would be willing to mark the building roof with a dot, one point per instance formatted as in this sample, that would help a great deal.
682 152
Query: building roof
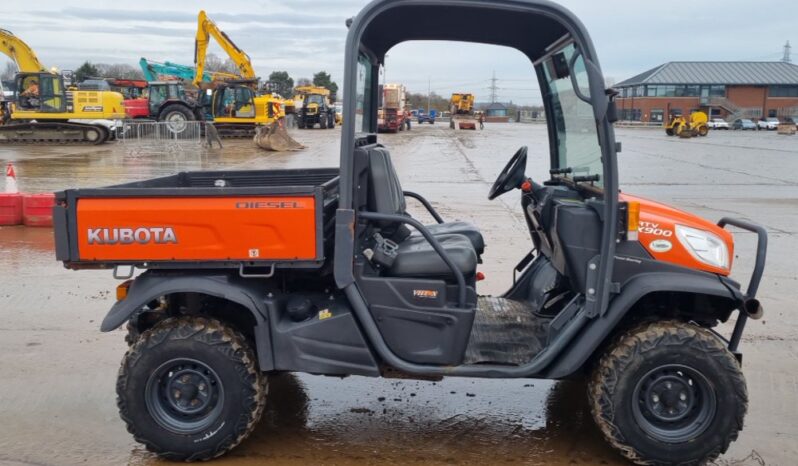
496 106
718 72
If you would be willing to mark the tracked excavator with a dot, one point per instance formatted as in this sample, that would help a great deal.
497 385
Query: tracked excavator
235 106
44 110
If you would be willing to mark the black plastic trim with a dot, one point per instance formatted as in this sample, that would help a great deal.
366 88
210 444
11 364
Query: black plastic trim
601 327
149 286
530 369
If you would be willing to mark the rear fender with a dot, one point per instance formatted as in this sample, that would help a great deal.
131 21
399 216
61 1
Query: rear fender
148 287
599 329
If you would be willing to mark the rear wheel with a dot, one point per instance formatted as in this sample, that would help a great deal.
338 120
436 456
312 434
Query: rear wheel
703 130
668 393
177 117
322 122
190 389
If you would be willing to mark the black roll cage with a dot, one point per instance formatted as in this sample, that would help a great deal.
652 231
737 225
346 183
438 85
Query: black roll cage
558 26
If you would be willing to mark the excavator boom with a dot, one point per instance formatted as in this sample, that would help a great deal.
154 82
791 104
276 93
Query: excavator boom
152 70
207 29
20 52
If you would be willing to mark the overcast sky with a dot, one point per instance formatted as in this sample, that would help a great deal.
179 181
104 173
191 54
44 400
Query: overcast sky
305 36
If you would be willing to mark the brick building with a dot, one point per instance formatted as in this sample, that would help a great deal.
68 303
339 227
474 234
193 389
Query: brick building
727 90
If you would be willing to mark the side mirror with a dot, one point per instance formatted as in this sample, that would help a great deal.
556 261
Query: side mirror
612 109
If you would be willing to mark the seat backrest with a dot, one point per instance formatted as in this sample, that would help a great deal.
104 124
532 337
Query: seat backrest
385 192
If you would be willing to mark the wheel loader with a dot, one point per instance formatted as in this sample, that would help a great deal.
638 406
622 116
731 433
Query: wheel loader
245 274
462 108
678 125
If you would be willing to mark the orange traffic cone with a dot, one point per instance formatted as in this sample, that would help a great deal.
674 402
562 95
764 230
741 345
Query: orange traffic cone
11 179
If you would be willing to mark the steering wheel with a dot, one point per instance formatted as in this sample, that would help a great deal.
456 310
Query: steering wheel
512 176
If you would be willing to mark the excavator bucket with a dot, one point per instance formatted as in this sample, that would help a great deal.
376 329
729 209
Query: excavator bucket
274 137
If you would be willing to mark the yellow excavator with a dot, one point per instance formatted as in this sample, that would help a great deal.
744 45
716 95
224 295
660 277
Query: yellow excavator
236 108
44 110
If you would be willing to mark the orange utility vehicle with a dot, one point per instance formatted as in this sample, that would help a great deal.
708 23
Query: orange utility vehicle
324 271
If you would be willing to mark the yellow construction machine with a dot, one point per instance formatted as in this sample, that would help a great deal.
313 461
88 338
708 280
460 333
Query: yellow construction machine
313 107
235 106
680 126
462 108
44 110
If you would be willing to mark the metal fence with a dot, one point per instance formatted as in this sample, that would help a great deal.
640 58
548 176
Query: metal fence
161 132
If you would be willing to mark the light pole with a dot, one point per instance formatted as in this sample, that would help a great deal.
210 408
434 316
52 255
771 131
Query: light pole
428 93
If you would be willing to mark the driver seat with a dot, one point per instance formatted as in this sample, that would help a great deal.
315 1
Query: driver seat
385 195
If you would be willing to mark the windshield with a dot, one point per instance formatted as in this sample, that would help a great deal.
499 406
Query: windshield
315 99
577 137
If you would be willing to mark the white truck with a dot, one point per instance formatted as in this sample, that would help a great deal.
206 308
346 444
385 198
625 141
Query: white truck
391 114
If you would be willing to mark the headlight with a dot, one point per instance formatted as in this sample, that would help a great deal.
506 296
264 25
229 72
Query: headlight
705 246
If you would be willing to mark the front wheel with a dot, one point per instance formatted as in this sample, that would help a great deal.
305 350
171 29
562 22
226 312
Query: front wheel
668 393
190 389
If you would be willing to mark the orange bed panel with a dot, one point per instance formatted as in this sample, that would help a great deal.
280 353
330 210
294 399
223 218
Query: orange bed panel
197 228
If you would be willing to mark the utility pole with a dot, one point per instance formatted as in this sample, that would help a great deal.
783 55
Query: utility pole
786 58
493 88
428 93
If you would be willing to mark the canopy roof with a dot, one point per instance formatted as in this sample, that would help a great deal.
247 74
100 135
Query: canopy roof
529 26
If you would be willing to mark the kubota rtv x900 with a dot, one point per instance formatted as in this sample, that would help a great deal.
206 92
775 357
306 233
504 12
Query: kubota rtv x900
323 270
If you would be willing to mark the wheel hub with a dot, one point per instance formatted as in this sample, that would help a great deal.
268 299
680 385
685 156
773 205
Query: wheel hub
674 403
669 398
191 391
184 396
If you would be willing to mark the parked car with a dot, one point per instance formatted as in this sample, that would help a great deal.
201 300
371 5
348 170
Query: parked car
743 123
718 123
770 123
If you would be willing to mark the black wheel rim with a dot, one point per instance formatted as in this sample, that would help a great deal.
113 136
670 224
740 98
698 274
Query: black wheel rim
184 396
674 403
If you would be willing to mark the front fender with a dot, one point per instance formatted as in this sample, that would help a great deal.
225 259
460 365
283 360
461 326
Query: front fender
598 329
149 286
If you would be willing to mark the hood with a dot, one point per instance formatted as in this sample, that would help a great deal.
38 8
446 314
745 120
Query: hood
657 234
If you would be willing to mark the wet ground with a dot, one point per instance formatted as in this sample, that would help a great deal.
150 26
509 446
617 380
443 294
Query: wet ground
57 371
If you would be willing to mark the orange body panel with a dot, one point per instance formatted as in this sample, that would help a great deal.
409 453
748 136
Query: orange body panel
197 228
657 234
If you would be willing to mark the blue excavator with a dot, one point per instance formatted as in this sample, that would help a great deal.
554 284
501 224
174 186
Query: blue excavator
156 71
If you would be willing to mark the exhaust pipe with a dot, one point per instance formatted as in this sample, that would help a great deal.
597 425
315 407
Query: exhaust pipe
753 309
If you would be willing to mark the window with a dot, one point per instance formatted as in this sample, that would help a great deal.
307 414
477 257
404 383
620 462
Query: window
783 91
363 93
577 137
717 91
676 111
656 115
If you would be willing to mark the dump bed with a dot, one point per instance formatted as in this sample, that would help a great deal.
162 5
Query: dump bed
209 219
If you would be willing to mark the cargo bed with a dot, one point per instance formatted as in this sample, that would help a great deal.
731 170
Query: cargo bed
209 219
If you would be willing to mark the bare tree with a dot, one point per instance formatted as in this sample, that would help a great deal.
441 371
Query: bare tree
9 72
214 63
119 70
